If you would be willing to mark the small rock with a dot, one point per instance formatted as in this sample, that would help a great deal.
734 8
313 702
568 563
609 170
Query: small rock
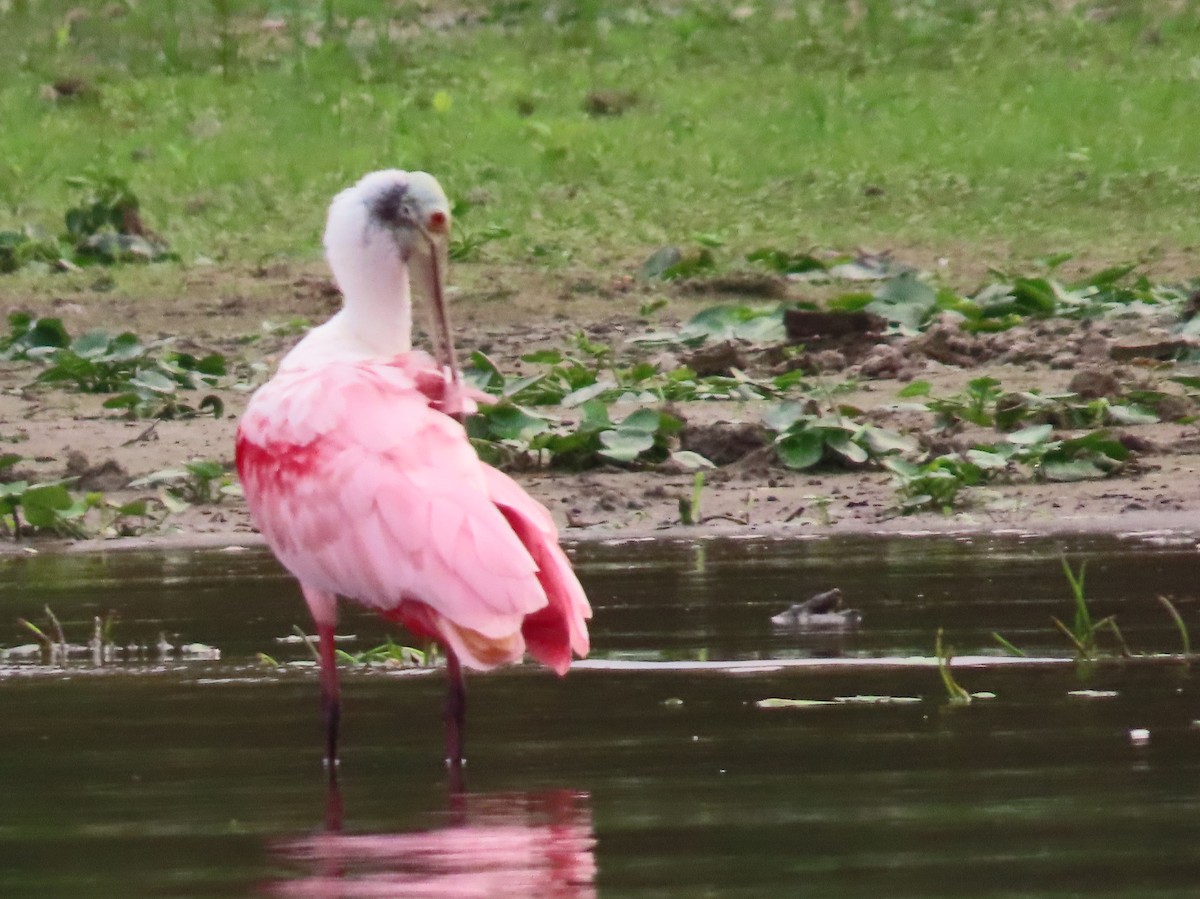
1160 349
718 359
1138 444
1094 383
828 360
1173 408
883 361
1064 361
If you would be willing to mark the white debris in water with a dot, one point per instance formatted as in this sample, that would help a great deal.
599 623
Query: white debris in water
200 651
878 700
296 638
776 703
24 651
1093 694
1139 736
1159 538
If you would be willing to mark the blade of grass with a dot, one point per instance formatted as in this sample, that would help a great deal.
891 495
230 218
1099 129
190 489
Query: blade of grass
1083 650
58 630
307 641
954 690
1184 639
1110 624
1008 646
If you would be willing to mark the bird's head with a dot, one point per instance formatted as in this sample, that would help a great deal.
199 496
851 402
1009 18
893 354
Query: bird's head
389 229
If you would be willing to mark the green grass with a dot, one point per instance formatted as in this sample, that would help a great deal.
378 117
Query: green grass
1033 125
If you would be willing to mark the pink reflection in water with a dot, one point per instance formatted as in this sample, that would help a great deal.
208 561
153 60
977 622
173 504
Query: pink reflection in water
504 844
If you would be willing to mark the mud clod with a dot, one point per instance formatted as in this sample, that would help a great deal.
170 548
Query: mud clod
723 443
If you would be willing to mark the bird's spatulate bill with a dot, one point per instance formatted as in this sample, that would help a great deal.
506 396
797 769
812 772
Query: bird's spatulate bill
441 315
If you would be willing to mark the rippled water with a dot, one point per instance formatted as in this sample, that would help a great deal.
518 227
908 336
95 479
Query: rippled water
646 779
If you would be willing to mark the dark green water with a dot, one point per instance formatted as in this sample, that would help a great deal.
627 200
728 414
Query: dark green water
203 779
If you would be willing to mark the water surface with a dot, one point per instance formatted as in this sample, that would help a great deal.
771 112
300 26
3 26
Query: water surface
202 778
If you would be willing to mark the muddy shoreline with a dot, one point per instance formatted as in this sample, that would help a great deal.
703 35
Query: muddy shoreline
61 433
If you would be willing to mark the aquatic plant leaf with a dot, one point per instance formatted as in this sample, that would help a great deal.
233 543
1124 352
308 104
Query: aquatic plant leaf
842 444
800 449
543 357
786 263
623 445
93 343
904 301
881 441
154 381
850 302
510 422
660 261
44 504
1131 415
915 388
782 416
644 421
1031 435
691 460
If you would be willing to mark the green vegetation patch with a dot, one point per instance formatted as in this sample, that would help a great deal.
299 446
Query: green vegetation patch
632 126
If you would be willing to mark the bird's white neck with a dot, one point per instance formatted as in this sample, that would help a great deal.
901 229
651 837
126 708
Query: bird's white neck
379 319
375 321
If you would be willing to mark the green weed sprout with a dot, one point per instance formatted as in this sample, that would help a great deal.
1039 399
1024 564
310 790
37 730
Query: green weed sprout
1008 647
955 691
1084 628
689 507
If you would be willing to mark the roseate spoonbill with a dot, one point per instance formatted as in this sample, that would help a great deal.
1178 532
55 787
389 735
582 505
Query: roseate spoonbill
359 474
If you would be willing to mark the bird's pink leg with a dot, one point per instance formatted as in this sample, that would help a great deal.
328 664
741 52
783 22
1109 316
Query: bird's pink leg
455 712
331 697
324 611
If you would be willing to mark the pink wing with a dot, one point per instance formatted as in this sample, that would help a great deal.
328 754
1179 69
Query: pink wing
362 488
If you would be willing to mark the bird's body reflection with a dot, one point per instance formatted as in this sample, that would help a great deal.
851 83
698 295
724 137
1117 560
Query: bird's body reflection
498 844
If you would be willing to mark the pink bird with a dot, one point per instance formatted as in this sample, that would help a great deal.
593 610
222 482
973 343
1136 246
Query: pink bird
358 472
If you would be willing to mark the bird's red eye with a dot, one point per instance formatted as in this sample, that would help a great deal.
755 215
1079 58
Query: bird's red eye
437 221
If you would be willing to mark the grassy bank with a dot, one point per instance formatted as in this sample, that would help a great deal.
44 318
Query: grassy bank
591 133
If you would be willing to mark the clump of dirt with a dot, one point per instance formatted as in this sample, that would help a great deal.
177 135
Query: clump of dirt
806 324
105 477
885 361
1094 384
716 360
722 442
